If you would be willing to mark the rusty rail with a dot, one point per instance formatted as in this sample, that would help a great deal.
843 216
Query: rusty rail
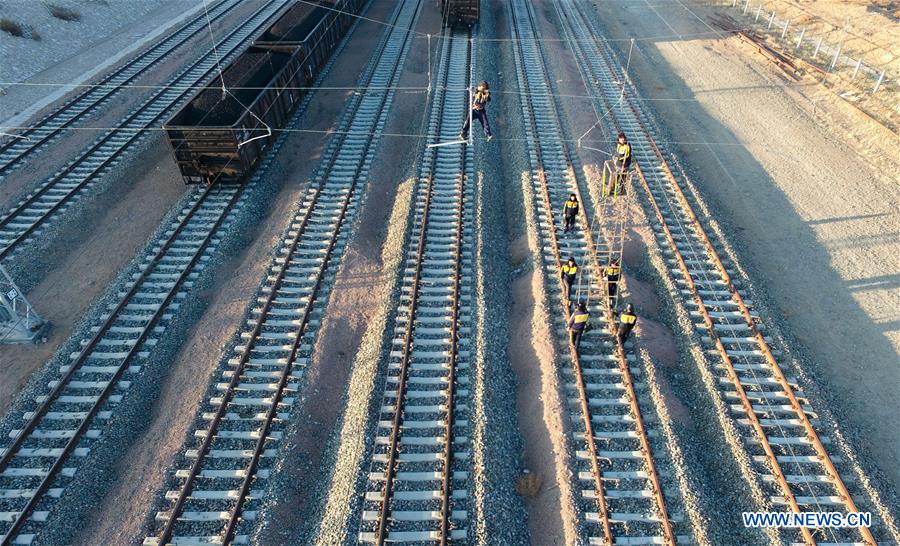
298 237
381 532
745 313
622 362
85 353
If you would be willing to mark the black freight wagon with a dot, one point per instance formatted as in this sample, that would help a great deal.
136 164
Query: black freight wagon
316 30
220 136
460 12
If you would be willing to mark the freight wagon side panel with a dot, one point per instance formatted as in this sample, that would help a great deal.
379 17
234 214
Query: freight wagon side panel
220 136
201 153
317 35
274 106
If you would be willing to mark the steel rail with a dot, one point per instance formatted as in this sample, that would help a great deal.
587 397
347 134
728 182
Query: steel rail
597 268
84 355
573 353
699 230
745 402
166 533
297 239
446 492
381 532
23 144
668 533
14 217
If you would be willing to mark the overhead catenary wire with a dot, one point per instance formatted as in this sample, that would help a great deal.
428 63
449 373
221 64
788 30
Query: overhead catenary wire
752 371
20 136
420 88
395 135
252 67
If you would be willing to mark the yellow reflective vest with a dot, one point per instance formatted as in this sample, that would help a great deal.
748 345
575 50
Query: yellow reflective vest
481 97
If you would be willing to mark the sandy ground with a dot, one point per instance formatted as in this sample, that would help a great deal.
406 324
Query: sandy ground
144 466
51 157
70 50
867 27
174 412
541 405
864 29
542 410
808 192
78 264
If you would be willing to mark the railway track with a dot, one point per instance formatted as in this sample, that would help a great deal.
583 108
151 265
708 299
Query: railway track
26 218
26 142
53 439
779 428
416 488
244 416
622 490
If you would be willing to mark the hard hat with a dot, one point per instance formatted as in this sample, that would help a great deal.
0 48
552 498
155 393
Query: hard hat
629 308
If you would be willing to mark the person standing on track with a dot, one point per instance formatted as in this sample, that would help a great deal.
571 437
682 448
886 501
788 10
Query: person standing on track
622 159
578 325
480 99
568 271
627 320
570 213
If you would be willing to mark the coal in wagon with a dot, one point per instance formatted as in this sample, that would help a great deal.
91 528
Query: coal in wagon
458 13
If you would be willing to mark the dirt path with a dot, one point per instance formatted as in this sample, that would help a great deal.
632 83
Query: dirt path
151 457
541 407
808 192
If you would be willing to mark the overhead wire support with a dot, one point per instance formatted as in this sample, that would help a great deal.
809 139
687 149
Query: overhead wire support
19 322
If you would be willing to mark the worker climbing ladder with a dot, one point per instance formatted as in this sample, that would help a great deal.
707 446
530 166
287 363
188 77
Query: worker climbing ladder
19 323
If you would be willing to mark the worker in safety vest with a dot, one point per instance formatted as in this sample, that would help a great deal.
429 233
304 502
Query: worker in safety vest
578 324
622 159
568 271
570 213
612 272
480 98
627 320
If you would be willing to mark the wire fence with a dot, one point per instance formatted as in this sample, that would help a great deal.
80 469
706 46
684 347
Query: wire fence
830 57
